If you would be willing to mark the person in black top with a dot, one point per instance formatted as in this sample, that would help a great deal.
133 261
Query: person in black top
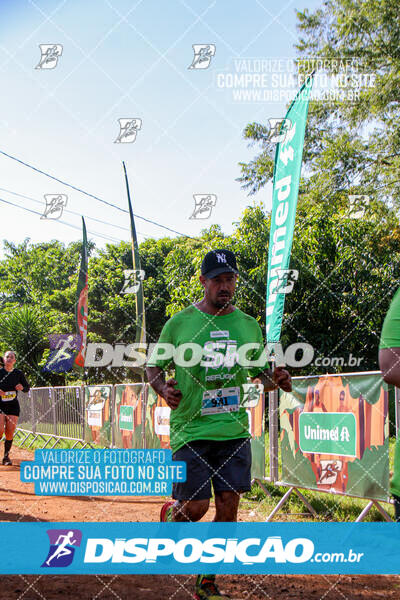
12 381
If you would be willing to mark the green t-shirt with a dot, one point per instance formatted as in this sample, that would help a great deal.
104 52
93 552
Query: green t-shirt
390 338
211 364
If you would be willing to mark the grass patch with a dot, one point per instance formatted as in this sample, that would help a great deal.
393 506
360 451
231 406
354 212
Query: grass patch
328 506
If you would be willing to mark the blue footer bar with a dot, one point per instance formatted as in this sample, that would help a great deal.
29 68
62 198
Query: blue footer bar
163 548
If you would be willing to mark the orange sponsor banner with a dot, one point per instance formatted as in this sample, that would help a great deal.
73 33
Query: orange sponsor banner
366 472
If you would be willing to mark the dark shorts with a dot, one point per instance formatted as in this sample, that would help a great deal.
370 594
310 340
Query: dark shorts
9 408
226 464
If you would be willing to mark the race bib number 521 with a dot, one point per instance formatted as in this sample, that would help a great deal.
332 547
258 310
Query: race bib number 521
220 401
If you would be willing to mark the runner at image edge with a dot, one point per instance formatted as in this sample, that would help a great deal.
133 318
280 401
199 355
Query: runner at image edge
389 364
12 381
213 442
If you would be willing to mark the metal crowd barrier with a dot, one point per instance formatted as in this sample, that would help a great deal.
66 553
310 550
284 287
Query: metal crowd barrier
274 448
49 415
132 416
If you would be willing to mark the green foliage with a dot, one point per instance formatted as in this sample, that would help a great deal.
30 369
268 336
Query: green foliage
350 147
40 280
348 267
23 330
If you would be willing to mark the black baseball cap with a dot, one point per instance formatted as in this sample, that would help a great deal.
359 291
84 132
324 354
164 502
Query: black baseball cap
216 262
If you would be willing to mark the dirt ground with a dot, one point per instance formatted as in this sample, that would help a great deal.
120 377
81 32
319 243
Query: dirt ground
19 503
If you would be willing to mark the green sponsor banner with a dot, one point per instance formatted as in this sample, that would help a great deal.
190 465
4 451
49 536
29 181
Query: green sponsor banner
128 405
288 158
258 458
255 411
335 435
126 418
328 433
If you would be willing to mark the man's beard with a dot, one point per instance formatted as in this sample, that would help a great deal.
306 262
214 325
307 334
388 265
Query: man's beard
222 302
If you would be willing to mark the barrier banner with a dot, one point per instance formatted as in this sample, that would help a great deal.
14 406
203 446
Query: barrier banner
127 421
335 435
166 548
157 421
257 431
98 414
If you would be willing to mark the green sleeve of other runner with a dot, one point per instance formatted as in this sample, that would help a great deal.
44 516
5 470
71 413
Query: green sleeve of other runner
390 336
395 483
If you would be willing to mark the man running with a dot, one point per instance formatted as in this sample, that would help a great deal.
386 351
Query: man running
209 426
12 381
389 363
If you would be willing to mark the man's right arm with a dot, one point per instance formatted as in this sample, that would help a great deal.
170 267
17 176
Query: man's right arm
166 389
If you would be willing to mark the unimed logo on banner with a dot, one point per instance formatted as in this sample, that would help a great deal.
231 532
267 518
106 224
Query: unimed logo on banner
126 418
62 547
328 433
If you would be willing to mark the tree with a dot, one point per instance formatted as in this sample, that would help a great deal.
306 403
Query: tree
112 314
23 330
348 268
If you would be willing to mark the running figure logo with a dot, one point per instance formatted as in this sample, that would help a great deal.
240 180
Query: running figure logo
203 54
128 129
133 279
63 543
251 394
357 205
330 470
203 205
50 56
63 348
278 130
286 280
55 204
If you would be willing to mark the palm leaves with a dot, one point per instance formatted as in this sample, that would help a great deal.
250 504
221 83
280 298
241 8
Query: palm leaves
23 330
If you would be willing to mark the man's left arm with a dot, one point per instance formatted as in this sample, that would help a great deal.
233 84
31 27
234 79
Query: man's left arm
271 379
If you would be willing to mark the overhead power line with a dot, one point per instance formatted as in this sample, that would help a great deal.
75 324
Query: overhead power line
35 212
88 194
72 212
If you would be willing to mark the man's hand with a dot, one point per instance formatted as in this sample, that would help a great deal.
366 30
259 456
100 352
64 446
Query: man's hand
282 378
171 396
19 387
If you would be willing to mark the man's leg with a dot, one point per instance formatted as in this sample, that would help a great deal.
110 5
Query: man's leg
192 497
189 510
226 505
231 463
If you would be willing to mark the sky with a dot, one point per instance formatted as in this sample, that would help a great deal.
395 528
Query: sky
129 60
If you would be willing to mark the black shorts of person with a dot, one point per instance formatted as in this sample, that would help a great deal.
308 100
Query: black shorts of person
11 407
8 381
225 464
